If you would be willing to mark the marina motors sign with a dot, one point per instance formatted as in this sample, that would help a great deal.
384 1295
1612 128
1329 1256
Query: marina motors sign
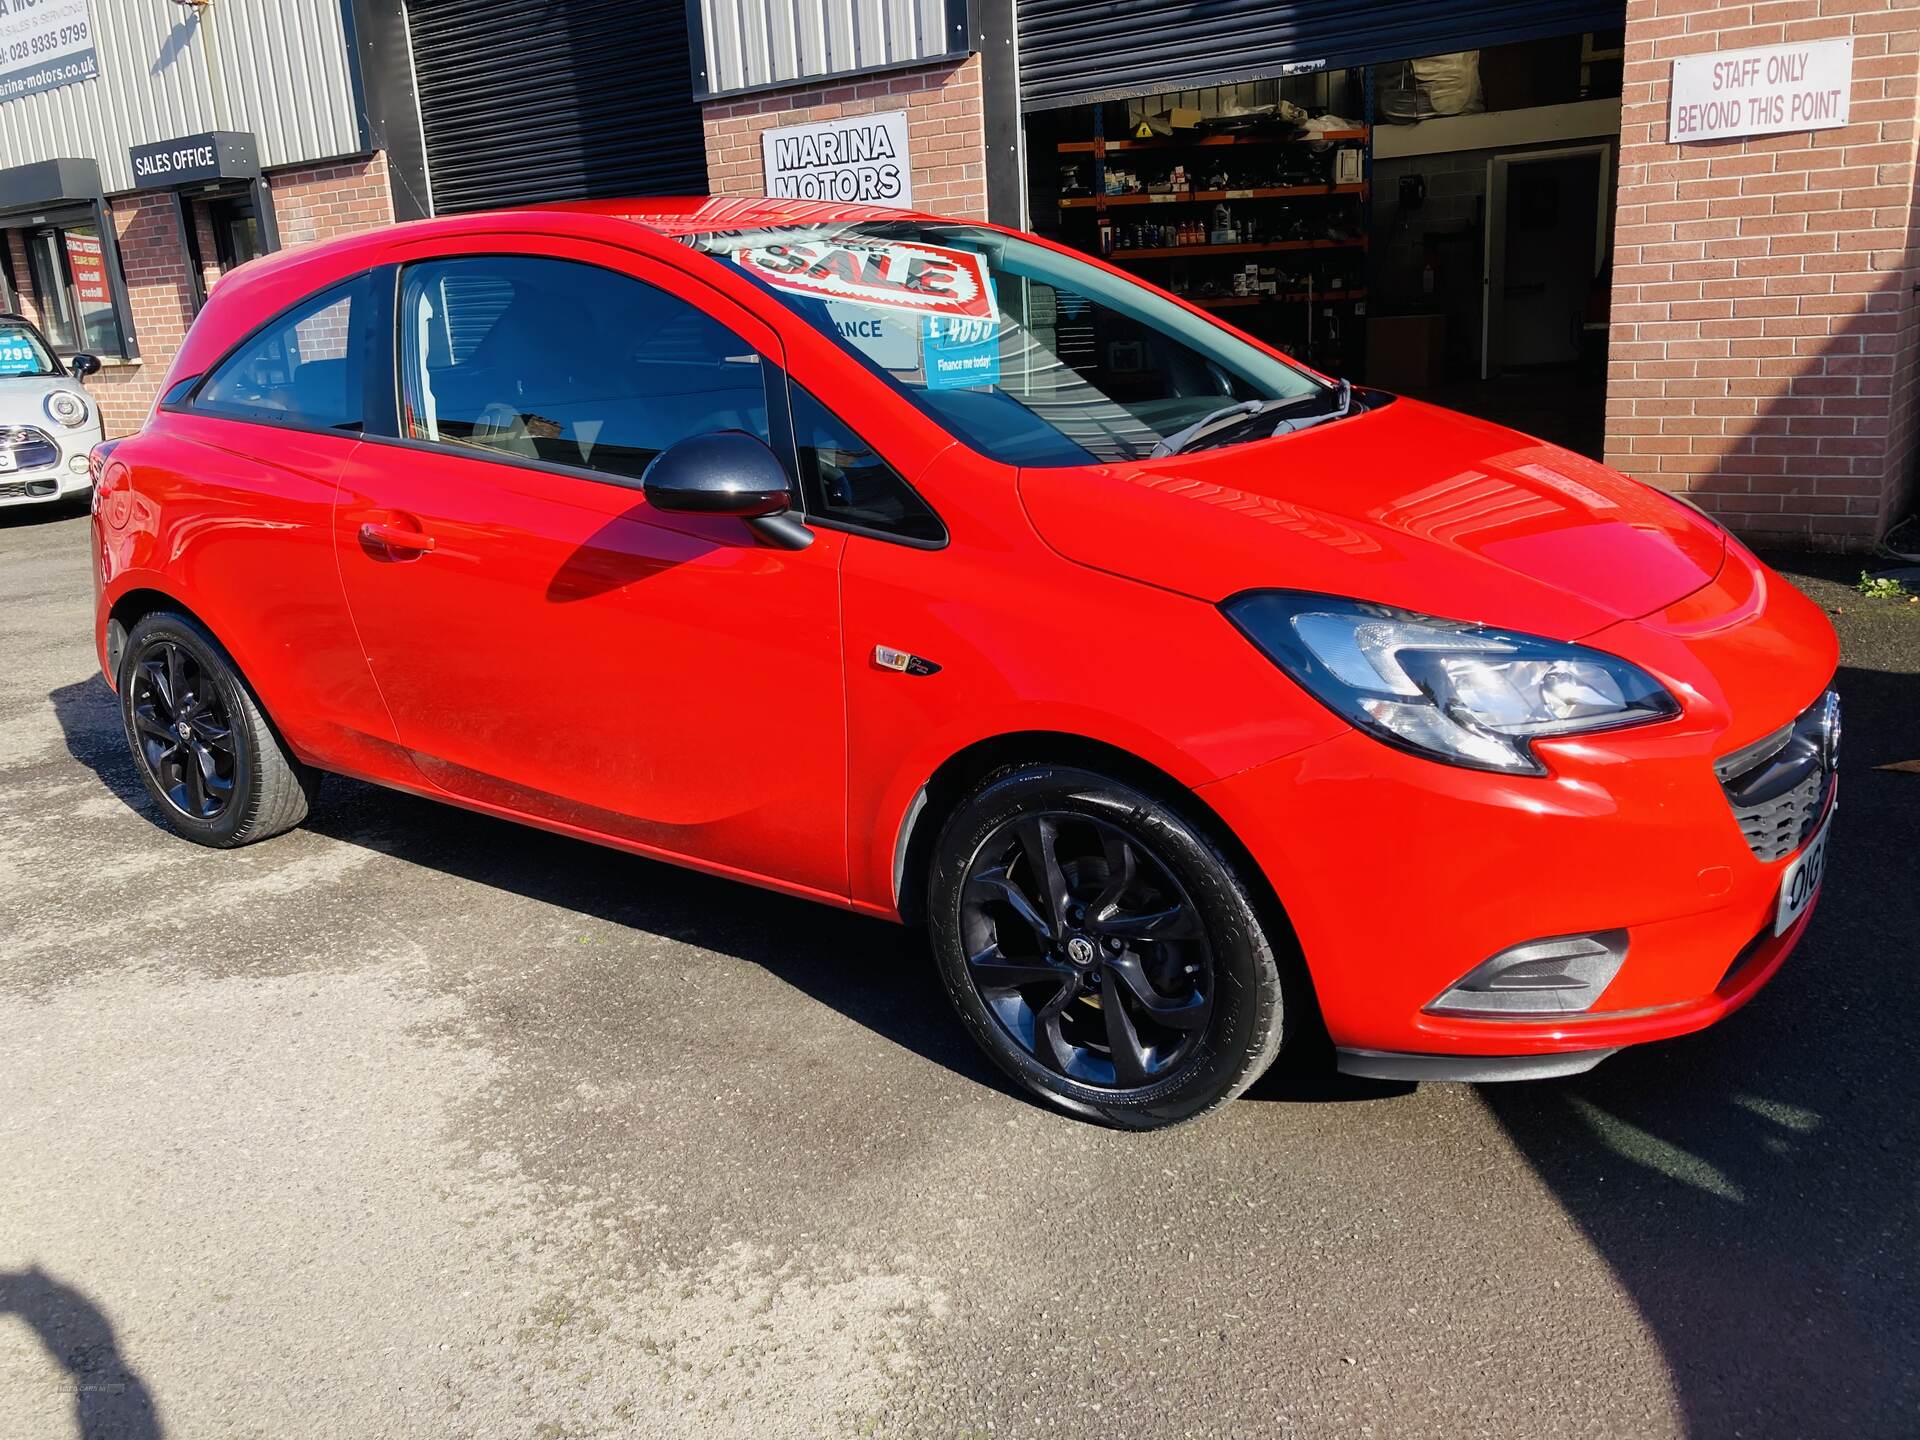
861 160
1767 91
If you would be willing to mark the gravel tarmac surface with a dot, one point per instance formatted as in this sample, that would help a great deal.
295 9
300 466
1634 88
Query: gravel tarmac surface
417 1123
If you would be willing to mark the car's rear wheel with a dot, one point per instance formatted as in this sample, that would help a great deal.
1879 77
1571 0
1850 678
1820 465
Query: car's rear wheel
214 766
1101 949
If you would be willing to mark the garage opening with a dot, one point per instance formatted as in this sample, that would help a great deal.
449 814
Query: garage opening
1438 225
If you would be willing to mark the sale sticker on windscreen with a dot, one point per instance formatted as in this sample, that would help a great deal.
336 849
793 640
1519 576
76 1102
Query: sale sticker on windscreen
894 275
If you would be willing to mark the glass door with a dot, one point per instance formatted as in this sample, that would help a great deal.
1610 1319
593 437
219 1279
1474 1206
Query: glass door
48 265
236 231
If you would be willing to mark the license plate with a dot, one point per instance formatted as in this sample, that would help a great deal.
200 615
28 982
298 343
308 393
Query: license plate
1802 879
7 462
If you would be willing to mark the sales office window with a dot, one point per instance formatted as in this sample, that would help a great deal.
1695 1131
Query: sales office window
67 267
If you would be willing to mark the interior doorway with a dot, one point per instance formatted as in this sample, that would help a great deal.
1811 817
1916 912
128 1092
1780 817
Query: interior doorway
1546 249
236 230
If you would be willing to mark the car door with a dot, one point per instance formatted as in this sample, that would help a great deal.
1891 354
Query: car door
546 641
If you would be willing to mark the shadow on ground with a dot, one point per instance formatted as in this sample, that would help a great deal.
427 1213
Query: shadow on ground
873 972
1754 1187
109 1400
44 512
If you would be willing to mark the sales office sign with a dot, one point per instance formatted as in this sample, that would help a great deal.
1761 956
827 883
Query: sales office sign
859 160
1769 91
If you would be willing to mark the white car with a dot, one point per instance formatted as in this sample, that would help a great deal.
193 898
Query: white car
48 423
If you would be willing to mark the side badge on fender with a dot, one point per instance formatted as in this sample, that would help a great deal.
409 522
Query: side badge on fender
888 658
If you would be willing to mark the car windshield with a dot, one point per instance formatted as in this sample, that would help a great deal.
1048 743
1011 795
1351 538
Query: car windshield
1026 354
22 352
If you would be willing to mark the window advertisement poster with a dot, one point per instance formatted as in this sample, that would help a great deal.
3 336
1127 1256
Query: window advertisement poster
861 159
888 340
44 45
1772 90
960 354
89 268
17 355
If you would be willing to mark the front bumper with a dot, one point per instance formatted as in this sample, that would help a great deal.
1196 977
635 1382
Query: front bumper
1401 874
1597 1036
50 482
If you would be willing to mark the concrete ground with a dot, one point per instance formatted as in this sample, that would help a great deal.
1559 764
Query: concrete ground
413 1123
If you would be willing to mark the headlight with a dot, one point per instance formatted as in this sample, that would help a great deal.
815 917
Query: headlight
1441 688
66 407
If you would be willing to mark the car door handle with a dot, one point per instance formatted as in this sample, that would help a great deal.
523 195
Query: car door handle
398 538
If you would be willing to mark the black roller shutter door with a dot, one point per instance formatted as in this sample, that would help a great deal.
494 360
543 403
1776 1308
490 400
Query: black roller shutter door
1072 52
555 100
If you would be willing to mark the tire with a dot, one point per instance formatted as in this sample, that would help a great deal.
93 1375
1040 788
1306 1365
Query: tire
181 696
1178 948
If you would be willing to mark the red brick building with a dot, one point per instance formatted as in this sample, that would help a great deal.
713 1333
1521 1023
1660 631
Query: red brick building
1502 219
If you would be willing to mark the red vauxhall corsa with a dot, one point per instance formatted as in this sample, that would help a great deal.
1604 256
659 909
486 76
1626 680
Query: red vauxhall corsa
1190 699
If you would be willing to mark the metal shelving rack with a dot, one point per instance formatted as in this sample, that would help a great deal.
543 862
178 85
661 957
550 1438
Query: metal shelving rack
1102 205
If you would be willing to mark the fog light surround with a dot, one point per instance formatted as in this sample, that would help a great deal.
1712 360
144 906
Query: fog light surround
1563 975
77 464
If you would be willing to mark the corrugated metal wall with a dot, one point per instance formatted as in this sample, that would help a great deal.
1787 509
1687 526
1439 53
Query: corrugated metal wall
1072 51
751 44
555 100
276 67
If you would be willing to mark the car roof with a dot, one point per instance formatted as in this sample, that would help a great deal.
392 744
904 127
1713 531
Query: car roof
663 217
695 215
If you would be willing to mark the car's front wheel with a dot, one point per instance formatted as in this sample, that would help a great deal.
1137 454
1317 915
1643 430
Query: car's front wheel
214 766
1101 949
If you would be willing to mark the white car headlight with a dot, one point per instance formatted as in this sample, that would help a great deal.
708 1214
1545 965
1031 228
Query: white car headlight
1441 688
67 407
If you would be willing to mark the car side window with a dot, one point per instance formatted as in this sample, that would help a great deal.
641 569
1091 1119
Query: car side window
567 363
843 479
300 368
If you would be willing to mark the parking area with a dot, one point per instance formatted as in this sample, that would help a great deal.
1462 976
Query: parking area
413 1122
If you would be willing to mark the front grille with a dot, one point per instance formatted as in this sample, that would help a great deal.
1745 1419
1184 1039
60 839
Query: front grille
1778 786
14 489
31 449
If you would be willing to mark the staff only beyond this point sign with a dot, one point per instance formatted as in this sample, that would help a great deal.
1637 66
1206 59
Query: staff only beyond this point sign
859 160
1769 91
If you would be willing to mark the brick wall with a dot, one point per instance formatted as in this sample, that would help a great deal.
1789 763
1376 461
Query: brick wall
1766 343
23 277
309 204
323 201
160 296
946 135
200 216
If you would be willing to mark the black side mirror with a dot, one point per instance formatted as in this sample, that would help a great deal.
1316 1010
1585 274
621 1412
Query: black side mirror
727 472
83 365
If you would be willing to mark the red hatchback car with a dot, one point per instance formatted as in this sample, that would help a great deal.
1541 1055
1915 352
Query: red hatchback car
930 570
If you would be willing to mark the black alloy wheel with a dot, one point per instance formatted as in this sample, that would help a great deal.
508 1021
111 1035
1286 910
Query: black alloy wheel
1102 948
1086 949
185 735
218 772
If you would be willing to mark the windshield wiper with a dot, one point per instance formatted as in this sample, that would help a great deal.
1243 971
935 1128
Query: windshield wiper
1172 444
1209 427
